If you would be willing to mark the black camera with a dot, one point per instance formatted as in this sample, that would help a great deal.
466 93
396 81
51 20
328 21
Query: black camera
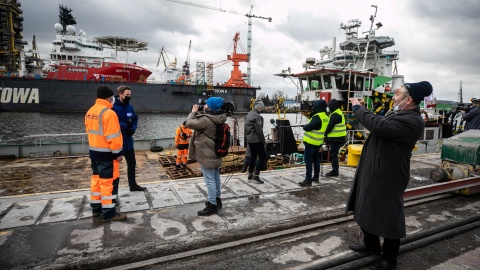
463 107
228 108
201 104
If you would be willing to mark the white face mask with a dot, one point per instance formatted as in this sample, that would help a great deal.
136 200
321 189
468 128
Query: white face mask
113 101
328 109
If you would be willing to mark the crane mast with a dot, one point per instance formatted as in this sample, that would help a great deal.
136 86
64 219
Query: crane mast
249 34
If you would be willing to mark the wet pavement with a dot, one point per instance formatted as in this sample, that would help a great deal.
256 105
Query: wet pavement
55 230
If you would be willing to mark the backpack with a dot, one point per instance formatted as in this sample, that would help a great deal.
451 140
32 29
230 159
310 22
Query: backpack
222 140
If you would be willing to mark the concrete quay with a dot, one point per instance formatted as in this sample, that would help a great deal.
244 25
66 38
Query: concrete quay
55 230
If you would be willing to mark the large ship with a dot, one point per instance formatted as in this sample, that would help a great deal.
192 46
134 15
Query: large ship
77 66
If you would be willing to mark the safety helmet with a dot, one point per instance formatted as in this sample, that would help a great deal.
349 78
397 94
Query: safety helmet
475 99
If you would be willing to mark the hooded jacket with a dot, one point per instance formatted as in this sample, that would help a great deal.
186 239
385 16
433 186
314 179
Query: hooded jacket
202 146
254 128
126 114
335 118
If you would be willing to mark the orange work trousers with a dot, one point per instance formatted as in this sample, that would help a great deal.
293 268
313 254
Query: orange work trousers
182 156
104 185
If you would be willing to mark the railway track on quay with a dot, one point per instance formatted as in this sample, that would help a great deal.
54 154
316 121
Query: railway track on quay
450 227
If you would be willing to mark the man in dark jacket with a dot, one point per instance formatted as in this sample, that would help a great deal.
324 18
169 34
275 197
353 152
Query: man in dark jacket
336 133
383 172
472 117
312 140
202 149
128 124
256 141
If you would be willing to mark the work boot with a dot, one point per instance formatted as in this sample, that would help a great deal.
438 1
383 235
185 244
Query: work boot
118 217
138 188
219 203
305 183
332 173
256 177
178 167
96 213
316 179
384 265
184 167
208 210
250 176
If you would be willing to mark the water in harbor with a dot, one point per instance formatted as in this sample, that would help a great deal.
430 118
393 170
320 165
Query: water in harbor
16 127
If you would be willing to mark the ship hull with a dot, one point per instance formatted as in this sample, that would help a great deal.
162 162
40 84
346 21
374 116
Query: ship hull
27 95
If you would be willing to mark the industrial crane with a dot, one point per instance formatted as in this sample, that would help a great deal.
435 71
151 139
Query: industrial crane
249 34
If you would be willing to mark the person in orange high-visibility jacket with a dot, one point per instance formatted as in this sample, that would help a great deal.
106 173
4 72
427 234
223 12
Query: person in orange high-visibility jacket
105 144
182 135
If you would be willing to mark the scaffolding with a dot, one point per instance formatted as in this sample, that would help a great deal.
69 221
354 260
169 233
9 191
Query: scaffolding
11 39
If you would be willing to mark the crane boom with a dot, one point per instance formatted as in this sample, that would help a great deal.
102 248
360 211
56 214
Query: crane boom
249 15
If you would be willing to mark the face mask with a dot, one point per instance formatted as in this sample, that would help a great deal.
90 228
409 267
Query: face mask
126 99
397 108
328 109
113 101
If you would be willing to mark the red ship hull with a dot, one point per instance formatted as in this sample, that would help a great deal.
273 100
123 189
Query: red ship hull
108 72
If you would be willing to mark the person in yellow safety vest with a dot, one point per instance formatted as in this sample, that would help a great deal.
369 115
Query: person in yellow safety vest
336 133
182 135
105 144
313 140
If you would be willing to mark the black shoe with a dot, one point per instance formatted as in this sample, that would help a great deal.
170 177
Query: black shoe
219 203
178 167
250 176
138 188
384 265
209 209
184 167
96 214
305 183
256 177
315 180
117 217
364 249
332 173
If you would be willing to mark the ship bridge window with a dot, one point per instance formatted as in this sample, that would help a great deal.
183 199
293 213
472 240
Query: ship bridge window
327 81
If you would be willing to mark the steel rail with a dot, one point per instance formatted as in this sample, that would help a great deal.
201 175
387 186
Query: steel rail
420 192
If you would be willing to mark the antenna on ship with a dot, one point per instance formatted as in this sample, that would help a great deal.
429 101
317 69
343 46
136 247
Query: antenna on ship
460 94
370 33
66 18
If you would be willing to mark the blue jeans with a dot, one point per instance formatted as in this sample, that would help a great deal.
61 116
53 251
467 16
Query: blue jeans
312 156
212 180
334 148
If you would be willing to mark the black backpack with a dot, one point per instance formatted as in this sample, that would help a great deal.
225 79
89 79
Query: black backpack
222 140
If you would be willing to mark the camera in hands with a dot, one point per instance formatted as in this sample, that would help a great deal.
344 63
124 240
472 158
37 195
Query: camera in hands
227 108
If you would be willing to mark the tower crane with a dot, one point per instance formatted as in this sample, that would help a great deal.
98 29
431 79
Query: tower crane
249 15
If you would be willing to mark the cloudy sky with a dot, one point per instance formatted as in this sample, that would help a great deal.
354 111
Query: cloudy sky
436 38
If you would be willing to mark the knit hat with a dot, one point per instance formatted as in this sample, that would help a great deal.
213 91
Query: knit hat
215 103
104 92
319 106
259 105
419 90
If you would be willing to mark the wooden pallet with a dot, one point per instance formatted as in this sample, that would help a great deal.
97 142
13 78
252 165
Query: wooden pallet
167 160
177 174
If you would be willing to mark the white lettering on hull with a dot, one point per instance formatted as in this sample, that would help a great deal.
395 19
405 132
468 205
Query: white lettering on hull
19 95
220 91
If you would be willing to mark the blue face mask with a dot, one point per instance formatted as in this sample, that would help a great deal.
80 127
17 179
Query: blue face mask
397 108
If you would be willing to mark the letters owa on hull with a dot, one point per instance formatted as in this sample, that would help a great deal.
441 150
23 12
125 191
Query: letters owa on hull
19 95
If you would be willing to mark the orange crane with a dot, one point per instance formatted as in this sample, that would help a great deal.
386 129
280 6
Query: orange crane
249 35
236 77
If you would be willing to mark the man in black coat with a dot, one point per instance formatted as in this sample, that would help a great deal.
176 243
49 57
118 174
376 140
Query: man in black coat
383 172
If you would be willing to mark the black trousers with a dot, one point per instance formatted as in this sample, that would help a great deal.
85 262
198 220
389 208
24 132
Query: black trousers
256 150
334 149
131 163
389 249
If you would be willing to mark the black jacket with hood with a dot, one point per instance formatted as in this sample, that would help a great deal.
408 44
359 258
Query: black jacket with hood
334 119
